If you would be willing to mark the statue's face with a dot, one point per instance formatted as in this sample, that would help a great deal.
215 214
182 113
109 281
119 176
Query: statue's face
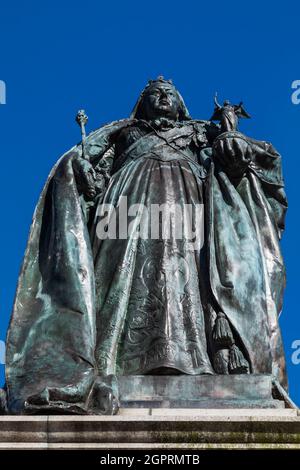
161 101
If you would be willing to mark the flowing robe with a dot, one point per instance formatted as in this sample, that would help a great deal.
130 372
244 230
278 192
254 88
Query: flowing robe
133 306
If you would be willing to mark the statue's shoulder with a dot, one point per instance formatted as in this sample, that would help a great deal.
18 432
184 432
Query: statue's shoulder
102 138
108 129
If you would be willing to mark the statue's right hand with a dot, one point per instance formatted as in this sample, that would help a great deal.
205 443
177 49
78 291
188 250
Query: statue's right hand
85 177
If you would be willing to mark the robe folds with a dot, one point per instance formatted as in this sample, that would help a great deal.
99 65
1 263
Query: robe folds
87 306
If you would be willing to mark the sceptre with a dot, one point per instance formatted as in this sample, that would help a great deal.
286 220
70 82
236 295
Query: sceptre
82 119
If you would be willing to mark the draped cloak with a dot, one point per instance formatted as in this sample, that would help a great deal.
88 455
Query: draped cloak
70 319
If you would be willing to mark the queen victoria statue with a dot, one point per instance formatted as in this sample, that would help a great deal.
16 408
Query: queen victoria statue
154 251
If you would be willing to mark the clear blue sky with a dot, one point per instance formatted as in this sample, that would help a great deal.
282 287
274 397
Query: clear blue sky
59 56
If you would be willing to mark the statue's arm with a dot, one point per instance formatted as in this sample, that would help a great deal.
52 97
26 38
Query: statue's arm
92 171
237 154
240 156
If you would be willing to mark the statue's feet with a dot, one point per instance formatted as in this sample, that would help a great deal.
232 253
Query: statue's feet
100 397
70 399
104 399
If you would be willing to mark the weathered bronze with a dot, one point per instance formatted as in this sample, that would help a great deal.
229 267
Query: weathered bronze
90 308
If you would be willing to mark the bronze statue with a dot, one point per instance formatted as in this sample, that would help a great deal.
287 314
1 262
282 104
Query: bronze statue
93 303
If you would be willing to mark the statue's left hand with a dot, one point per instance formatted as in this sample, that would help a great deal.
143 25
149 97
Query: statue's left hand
233 151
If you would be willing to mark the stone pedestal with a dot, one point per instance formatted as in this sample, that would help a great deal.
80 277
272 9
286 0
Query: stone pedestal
202 391
156 428
169 412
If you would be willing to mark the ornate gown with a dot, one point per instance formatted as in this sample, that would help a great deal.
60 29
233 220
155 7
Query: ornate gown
150 292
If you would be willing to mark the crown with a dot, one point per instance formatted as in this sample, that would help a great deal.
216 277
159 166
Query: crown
159 79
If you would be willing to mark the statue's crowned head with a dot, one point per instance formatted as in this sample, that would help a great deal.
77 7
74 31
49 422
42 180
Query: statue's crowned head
160 99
